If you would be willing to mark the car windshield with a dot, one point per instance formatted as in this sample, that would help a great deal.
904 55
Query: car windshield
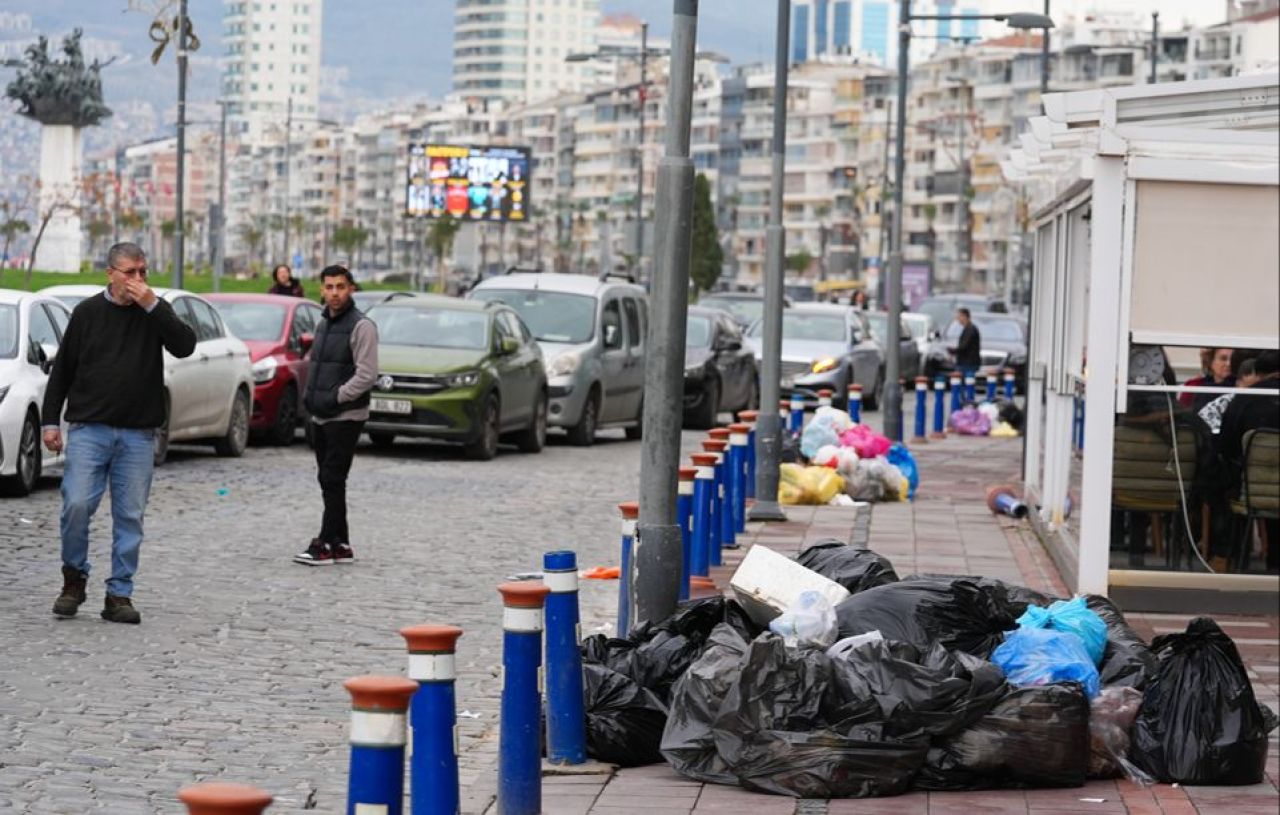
808 327
253 321
552 316
998 330
698 333
878 322
745 310
8 332
940 311
431 327
70 300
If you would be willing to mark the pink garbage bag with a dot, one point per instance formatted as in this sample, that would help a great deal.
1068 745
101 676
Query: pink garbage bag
969 421
865 442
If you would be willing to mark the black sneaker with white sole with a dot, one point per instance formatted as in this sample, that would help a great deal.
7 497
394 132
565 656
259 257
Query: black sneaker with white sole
318 553
342 553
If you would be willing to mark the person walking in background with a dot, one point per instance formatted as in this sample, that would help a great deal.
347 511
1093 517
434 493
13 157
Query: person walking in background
110 372
968 349
283 282
344 366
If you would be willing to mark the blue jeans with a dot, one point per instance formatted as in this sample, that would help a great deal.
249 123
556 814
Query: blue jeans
98 455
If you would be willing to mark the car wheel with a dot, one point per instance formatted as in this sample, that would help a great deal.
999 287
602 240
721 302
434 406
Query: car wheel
24 480
286 424
709 408
636 431
233 444
160 441
583 434
533 438
485 447
382 441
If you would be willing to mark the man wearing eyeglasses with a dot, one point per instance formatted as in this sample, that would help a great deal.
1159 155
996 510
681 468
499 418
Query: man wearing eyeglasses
110 373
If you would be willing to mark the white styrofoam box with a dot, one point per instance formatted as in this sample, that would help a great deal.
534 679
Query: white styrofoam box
767 583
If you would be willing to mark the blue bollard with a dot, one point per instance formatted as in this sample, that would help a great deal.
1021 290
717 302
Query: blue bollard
721 513
684 515
566 719
630 513
433 764
739 443
991 387
520 728
956 396
749 417
376 779
939 409
797 414
1008 384
704 485
969 392
922 409
855 403
824 398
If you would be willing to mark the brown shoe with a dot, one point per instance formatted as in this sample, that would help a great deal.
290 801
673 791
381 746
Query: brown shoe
120 610
68 602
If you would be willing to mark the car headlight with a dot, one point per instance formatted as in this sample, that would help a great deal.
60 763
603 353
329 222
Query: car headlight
462 380
565 364
823 365
264 370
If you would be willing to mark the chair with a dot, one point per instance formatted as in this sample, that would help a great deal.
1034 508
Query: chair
1260 496
1144 479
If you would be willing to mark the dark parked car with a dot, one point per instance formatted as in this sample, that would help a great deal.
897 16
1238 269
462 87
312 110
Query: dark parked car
909 350
278 332
719 370
745 307
942 307
1004 345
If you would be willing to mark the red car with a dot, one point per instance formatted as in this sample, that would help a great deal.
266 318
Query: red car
278 331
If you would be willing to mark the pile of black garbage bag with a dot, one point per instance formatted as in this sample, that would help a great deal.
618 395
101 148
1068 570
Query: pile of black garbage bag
921 706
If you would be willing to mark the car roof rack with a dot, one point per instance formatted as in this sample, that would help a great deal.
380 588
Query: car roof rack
524 270
627 276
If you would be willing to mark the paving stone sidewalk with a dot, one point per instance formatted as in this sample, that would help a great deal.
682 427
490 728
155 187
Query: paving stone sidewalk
946 530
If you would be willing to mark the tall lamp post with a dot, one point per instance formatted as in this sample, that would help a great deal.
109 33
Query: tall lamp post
892 401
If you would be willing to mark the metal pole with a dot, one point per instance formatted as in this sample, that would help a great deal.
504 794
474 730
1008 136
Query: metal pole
644 78
180 212
892 402
1155 44
288 151
884 202
769 423
960 266
1044 57
220 242
658 543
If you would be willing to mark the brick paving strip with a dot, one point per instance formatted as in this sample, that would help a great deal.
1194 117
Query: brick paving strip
946 530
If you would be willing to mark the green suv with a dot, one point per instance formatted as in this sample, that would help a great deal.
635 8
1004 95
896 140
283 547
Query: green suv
459 371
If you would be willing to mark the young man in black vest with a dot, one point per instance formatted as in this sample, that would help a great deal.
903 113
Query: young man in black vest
344 366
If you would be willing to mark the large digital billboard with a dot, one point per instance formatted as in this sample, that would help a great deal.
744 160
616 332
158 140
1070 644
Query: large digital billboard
469 183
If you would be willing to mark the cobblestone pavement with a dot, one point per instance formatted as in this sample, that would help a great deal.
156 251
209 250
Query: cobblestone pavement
236 670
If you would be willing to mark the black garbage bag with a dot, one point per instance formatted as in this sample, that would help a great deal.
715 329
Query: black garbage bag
958 613
1126 661
1018 597
916 695
624 721
688 742
1034 736
855 569
1012 415
1199 722
772 732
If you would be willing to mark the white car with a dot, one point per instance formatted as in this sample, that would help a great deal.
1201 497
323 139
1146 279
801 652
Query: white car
208 395
71 295
922 329
31 328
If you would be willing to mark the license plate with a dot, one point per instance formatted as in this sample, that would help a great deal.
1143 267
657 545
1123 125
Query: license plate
402 407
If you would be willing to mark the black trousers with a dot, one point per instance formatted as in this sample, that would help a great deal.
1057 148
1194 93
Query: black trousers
335 444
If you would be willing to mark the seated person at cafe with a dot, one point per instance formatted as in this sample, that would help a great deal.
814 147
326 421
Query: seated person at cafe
1216 364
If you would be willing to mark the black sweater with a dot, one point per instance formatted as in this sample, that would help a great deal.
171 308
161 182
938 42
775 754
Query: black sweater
109 369
969 349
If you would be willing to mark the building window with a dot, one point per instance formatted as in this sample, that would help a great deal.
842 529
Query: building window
800 34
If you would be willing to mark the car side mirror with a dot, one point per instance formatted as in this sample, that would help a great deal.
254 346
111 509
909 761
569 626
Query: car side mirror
306 341
508 346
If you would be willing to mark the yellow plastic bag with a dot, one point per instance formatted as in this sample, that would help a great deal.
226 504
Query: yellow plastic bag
1003 430
798 484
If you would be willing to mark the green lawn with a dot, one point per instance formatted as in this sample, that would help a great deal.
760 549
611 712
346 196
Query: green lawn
200 283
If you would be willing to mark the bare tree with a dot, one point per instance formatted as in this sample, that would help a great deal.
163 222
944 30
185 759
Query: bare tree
60 201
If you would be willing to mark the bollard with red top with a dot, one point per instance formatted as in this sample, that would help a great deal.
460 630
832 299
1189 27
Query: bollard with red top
220 798
722 515
630 515
566 719
797 413
1008 384
378 706
520 729
969 381
956 396
991 377
433 760
684 515
704 485
939 409
824 398
749 417
855 403
739 439
922 409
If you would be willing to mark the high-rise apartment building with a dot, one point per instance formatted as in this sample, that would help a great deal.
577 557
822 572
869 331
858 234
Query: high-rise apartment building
515 49
868 29
271 57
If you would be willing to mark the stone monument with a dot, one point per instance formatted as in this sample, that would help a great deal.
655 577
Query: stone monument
64 96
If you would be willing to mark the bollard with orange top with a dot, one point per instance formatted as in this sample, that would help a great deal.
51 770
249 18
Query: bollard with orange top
630 516
739 438
220 798
824 398
922 409
520 730
433 716
939 409
684 516
378 707
855 403
749 417
704 485
723 523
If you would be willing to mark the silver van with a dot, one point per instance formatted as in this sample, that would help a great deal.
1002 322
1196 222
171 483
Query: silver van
592 333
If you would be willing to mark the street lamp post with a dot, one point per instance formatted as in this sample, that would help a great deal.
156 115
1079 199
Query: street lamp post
179 229
220 242
892 401
644 80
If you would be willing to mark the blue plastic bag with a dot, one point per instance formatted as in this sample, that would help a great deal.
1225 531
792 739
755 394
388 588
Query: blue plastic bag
900 457
1072 617
1042 656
